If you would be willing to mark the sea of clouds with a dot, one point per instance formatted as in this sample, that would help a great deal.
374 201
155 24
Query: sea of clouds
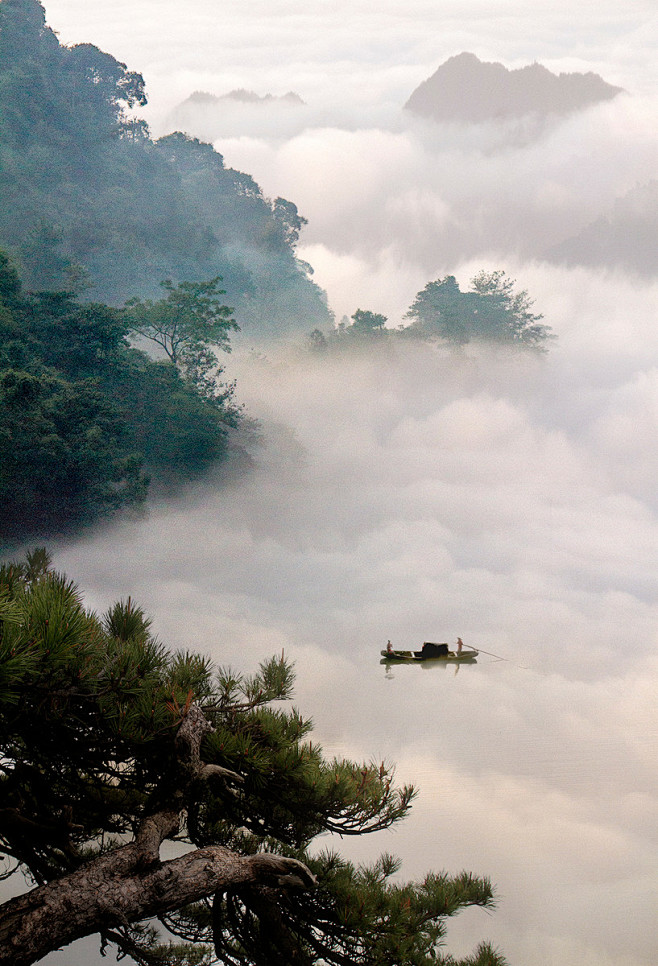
420 494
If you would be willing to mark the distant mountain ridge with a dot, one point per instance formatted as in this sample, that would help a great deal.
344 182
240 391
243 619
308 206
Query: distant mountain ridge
241 95
468 90
624 238
239 112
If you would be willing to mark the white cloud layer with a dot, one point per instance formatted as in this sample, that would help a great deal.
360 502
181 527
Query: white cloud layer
392 201
342 51
422 495
400 207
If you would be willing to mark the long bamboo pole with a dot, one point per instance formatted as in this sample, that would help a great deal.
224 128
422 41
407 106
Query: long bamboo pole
499 657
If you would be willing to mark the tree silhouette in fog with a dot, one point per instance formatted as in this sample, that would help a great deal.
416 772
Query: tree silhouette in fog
492 311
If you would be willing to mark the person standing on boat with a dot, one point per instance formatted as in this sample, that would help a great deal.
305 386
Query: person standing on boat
460 644
389 648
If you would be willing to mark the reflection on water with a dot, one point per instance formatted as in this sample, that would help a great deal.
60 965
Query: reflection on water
390 667
524 778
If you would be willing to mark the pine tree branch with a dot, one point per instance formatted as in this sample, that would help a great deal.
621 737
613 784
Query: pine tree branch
126 886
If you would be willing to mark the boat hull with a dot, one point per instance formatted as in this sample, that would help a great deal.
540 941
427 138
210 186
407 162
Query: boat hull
452 657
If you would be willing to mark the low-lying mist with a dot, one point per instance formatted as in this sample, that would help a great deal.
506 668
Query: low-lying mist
422 493
389 208
479 487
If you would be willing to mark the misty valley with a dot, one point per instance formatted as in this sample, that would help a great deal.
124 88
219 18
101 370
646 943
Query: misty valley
295 366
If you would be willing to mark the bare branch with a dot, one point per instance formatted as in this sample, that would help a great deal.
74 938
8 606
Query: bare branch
211 771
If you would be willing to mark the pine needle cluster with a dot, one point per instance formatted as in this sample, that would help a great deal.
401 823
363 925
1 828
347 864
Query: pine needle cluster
94 712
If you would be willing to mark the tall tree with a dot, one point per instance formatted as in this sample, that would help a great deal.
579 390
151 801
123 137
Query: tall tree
110 746
440 310
190 324
506 315
289 220
490 312
190 316
367 323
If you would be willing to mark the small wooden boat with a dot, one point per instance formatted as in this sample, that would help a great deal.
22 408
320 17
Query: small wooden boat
433 652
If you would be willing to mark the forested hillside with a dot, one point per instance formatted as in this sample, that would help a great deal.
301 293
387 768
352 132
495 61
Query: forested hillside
89 202
87 418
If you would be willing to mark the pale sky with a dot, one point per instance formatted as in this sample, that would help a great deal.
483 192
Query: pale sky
330 49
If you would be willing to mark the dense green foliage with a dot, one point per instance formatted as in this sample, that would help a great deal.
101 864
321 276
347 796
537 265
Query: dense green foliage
190 316
92 710
491 312
83 413
88 198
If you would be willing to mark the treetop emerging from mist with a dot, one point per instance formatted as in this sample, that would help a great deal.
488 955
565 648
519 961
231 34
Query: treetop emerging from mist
491 312
110 746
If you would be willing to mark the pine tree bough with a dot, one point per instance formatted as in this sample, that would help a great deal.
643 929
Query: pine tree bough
128 885
111 747
131 883
112 891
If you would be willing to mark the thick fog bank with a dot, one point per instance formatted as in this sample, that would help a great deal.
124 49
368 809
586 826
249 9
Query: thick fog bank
421 494
429 476
410 202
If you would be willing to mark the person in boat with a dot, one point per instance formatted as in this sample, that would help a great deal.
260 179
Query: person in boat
460 644
389 648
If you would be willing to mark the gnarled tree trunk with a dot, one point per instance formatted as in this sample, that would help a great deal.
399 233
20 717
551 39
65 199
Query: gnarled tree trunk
131 883
126 886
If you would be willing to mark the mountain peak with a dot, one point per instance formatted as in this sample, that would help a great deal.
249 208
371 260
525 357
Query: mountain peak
243 96
468 90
